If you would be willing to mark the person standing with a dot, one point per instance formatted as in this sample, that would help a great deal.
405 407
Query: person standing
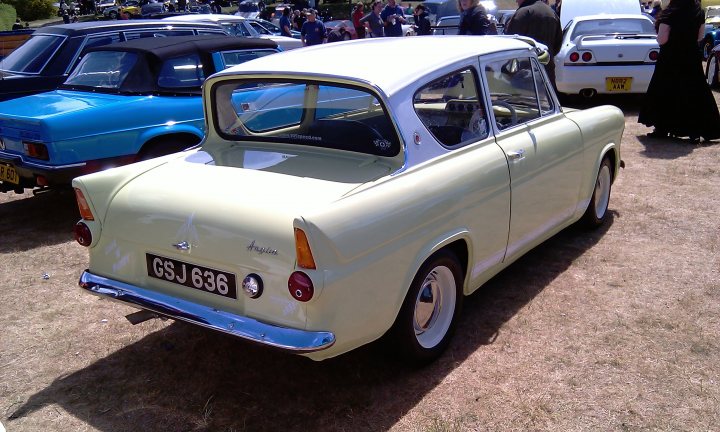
357 15
678 101
285 24
393 18
377 28
473 18
535 19
422 22
313 31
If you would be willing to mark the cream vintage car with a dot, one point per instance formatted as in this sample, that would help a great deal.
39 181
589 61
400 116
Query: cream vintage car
334 202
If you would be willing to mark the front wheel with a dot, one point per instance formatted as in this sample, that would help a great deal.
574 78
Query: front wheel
597 210
426 321
711 71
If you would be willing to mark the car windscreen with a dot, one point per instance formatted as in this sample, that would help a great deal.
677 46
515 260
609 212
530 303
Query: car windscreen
613 26
102 69
313 114
33 55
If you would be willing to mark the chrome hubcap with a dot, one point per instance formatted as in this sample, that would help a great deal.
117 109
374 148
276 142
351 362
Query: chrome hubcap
602 191
434 307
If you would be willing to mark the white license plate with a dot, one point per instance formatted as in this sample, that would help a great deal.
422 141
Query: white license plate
192 275
8 174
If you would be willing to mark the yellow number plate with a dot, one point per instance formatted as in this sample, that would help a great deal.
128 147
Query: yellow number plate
8 174
618 84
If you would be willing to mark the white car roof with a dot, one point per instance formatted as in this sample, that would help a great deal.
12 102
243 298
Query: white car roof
384 62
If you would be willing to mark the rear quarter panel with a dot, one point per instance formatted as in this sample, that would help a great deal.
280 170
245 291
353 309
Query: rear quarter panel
601 129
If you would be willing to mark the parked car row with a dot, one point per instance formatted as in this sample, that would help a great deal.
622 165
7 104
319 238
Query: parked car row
102 73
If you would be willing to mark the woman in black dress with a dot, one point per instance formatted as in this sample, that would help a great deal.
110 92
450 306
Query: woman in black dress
679 102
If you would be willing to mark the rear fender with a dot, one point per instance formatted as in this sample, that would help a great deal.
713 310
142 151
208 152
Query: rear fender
168 131
440 242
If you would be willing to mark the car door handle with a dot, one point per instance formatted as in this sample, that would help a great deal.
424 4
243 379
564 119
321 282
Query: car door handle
515 156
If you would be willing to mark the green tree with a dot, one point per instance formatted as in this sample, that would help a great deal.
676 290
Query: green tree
31 10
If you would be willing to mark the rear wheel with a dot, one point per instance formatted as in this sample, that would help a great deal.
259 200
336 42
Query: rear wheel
596 212
711 71
426 321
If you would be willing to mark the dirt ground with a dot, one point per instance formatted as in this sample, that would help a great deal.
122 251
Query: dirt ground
614 330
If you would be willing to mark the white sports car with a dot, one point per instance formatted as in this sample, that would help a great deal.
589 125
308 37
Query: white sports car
607 54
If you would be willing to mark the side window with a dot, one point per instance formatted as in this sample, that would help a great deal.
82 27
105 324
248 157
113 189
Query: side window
546 103
180 72
211 32
232 58
512 91
157 33
236 29
452 109
260 29
93 41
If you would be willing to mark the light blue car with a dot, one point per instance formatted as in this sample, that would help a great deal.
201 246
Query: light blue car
123 102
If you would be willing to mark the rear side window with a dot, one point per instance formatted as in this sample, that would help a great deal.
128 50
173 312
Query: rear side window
32 56
99 40
232 58
186 71
452 110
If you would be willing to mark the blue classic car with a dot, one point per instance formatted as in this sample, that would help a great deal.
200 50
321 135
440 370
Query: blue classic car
123 102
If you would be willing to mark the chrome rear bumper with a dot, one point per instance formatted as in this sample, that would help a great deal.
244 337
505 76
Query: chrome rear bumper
288 339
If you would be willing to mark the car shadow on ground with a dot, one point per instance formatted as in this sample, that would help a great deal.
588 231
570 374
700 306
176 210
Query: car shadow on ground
43 219
186 378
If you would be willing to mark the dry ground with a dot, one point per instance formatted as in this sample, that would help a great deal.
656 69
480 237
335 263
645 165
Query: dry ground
616 330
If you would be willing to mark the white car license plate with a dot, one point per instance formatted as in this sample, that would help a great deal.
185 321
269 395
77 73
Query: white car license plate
8 174
618 84
192 276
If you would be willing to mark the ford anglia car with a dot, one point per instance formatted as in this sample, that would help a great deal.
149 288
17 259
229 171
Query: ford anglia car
331 203
126 101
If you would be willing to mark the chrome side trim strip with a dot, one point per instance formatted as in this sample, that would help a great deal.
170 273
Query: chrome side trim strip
288 339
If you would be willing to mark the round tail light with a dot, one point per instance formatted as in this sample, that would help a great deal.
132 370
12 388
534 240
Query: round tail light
300 286
574 57
587 56
653 55
83 234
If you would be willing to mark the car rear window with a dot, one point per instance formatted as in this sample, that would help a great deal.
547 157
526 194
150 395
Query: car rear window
613 26
33 55
305 113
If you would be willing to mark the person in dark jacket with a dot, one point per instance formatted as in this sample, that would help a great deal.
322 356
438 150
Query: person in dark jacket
422 22
473 19
537 20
